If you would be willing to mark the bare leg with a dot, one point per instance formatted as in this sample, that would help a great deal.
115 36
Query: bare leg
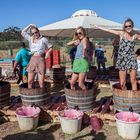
82 80
30 79
41 80
122 76
73 80
133 79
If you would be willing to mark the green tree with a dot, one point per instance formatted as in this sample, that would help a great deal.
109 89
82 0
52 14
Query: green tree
11 34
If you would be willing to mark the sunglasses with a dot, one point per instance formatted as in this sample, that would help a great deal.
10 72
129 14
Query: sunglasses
128 26
34 33
79 33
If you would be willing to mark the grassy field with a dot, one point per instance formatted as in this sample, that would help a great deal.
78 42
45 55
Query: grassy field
65 60
64 57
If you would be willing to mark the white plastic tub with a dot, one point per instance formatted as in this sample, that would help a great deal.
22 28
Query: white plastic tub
27 117
71 125
128 124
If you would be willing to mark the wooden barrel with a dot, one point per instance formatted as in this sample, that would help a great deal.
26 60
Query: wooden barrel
4 93
92 72
124 99
37 96
0 71
84 100
113 72
57 74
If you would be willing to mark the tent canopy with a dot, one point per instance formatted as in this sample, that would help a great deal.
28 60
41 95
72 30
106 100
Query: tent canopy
84 18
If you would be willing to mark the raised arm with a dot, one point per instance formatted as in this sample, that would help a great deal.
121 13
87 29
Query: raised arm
24 32
28 28
108 30
73 42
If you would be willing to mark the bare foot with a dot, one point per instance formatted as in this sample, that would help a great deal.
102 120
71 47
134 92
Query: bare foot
72 87
83 87
123 88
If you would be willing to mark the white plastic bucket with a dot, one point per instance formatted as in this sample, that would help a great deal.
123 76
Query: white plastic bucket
71 125
27 117
128 124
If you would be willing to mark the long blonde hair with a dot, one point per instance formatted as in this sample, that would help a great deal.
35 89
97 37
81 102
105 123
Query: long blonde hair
82 29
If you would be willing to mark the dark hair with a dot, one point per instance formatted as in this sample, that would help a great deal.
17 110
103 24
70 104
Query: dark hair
128 20
138 52
22 44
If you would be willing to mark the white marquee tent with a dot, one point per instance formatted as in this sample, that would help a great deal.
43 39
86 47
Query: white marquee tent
85 18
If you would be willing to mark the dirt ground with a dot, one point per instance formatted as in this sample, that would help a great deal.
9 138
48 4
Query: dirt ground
53 131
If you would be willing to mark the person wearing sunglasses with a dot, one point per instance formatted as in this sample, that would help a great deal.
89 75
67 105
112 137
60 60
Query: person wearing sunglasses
37 44
80 64
126 59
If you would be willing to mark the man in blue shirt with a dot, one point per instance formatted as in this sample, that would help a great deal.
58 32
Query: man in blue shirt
99 54
22 59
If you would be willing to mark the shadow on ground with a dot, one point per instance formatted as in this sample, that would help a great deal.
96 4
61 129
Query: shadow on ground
98 136
38 134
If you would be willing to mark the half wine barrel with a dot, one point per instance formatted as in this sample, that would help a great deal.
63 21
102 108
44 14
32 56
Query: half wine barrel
37 96
4 93
126 99
83 99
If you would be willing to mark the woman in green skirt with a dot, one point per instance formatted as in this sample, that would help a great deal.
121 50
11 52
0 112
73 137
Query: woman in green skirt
80 64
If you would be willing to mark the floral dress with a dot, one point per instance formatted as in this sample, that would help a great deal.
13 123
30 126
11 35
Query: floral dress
126 55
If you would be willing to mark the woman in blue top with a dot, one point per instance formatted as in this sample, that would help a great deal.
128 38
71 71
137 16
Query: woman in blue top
80 65
126 59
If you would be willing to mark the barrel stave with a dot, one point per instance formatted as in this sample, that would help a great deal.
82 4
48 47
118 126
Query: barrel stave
4 93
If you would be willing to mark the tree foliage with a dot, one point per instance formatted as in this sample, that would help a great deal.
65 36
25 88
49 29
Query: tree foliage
11 34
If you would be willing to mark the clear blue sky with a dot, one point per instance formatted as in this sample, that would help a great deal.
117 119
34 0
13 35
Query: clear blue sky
20 13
